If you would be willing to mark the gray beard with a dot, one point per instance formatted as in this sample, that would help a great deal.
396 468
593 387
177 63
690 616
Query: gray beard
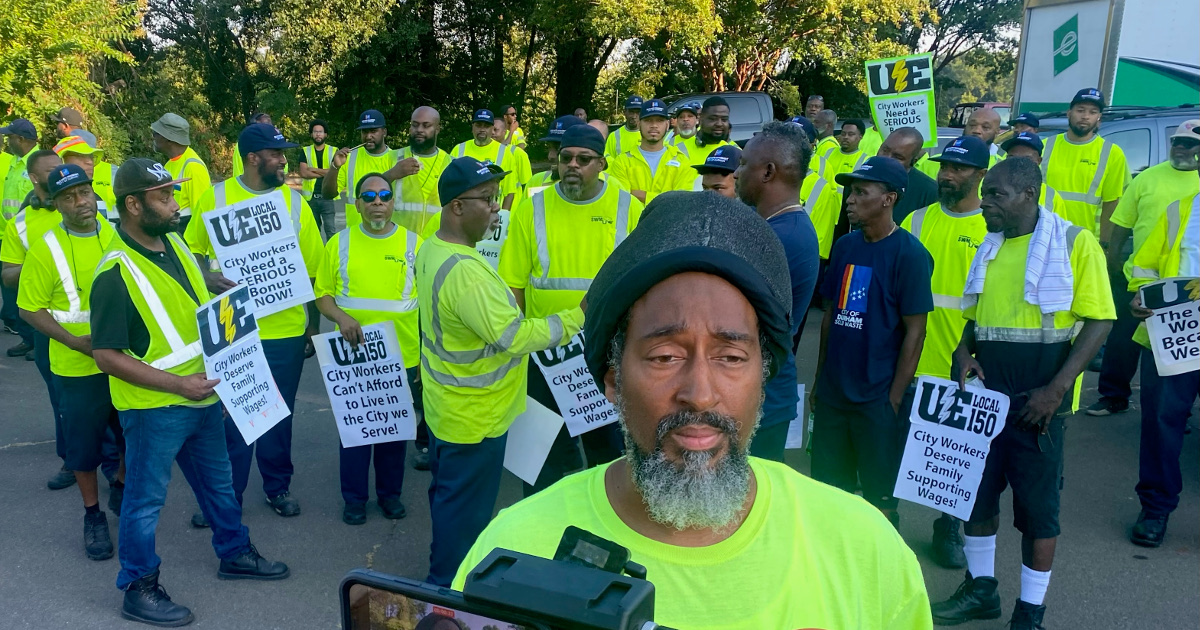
378 225
573 191
691 494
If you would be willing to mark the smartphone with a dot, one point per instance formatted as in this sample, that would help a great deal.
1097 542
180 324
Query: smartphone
377 601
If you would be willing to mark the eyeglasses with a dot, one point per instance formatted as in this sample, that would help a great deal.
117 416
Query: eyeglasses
494 199
370 196
584 159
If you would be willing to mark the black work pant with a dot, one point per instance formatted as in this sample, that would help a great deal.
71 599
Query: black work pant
1121 352
462 496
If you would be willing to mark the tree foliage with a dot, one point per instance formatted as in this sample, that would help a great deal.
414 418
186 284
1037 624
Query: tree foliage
962 26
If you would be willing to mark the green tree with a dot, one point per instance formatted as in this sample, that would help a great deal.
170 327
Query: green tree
960 27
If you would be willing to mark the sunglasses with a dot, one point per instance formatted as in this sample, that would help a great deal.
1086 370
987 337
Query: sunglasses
584 159
370 196
494 199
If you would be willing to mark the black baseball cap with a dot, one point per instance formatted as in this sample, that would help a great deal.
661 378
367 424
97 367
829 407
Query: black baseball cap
806 124
690 106
142 174
372 119
884 170
722 161
560 126
66 176
1027 138
633 102
653 107
966 150
463 174
1089 95
483 115
260 136
584 137
1026 119
20 127
69 116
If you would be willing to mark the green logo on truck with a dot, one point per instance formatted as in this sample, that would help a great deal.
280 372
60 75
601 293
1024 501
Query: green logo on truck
1066 44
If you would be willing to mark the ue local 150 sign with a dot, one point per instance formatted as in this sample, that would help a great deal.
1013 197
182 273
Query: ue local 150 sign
901 94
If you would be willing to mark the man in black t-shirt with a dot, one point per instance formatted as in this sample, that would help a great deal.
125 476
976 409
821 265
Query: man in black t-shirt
314 163
904 146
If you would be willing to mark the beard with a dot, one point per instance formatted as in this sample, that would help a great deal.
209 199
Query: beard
269 176
155 225
378 225
692 493
712 138
1081 130
949 196
425 146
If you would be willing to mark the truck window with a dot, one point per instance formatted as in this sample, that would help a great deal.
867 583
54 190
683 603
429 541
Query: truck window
1135 143
744 111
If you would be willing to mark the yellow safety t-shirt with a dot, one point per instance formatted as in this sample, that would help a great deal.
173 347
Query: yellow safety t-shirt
824 205
17 186
1144 201
871 141
475 343
24 229
416 196
674 172
825 145
514 137
57 276
807 556
102 184
373 279
952 239
622 140
555 246
838 162
289 322
188 164
695 153
510 158
1161 253
359 164
1085 175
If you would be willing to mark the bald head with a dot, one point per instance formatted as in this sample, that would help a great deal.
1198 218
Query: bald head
600 126
983 124
825 121
903 145
423 130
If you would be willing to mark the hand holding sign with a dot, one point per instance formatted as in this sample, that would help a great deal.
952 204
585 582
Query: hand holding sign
1174 324
196 386
579 400
368 386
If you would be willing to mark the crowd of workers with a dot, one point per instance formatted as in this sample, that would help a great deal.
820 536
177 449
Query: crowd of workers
696 261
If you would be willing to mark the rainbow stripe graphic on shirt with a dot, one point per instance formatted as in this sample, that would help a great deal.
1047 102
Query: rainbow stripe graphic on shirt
856 281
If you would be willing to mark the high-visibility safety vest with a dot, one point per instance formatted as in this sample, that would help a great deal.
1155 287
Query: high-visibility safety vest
1085 176
188 165
25 228
510 158
825 146
17 186
360 163
824 206
169 314
290 322
58 277
310 156
835 163
1169 251
417 201
621 141
952 239
475 343
373 279
555 246
674 172
695 153
1143 202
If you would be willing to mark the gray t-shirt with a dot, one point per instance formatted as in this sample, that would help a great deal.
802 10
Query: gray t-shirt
653 158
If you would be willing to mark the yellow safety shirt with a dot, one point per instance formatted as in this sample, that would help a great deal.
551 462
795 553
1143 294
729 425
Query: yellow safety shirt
17 186
1085 175
695 153
359 164
373 279
807 556
416 200
556 246
824 205
952 239
1147 197
310 157
169 314
188 165
25 228
622 140
871 141
825 145
515 137
838 162
674 172
475 343
510 158
1161 254
290 322
58 277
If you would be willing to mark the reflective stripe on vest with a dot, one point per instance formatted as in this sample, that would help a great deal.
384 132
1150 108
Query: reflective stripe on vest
1047 333
21 231
1173 220
348 194
1090 197
74 313
1050 193
293 209
617 140
406 302
543 243
461 151
917 218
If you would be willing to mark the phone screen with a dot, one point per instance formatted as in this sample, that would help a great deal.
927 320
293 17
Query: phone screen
377 609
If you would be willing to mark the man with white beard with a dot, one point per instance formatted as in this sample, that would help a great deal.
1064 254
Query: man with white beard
686 322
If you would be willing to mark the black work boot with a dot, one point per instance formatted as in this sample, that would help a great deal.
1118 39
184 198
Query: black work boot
198 520
284 505
1149 530
1026 616
96 540
948 543
147 601
251 566
976 598
62 479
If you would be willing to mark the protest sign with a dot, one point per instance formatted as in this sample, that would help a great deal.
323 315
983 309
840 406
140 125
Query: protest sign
1174 327
233 353
798 428
579 400
901 94
948 444
490 246
529 440
368 386
255 243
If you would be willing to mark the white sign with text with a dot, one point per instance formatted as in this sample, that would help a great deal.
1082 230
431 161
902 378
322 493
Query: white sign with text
368 386
579 400
1174 327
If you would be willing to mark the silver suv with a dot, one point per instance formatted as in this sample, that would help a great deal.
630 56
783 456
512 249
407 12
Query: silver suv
1143 133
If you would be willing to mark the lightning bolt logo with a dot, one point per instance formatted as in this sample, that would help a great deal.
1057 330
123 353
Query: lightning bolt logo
226 318
900 74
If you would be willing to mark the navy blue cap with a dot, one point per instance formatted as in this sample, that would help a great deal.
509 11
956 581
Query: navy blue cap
20 127
372 119
261 136
654 107
966 150
722 161
809 129
483 115
690 106
65 176
633 102
1089 95
560 126
463 174
1026 119
584 137
884 170
1027 138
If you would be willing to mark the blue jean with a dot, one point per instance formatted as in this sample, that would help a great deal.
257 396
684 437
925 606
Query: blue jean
1166 404
154 439
462 495
286 360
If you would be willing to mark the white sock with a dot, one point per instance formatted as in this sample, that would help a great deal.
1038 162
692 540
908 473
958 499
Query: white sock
981 555
1034 585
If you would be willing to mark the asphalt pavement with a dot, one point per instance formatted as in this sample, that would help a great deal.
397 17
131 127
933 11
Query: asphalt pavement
1100 580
